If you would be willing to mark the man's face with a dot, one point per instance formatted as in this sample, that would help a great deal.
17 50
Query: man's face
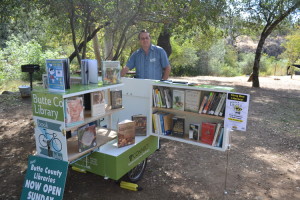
145 40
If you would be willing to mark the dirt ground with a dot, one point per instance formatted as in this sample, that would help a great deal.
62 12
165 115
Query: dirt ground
262 163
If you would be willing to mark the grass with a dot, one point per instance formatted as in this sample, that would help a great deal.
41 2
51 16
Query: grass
13 85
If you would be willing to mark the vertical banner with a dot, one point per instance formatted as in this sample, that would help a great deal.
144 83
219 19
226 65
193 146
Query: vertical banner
236 113
45 179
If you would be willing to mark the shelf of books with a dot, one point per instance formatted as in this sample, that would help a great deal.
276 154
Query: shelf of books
191 114
67 123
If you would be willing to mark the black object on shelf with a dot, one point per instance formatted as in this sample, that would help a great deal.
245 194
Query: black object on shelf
30 68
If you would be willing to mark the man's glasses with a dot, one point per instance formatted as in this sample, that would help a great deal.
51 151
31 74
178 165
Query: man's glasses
145 38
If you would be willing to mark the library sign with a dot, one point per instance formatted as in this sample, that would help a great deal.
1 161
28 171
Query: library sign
45 179
236 113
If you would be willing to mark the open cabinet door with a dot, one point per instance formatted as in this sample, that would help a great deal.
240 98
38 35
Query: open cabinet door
137 99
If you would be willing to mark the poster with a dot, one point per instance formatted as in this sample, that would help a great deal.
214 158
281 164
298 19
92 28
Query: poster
45 179
236 113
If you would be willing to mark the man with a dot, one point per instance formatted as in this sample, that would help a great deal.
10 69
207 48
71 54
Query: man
150 61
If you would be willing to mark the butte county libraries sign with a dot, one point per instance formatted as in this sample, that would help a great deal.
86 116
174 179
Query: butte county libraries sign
236 114
45 179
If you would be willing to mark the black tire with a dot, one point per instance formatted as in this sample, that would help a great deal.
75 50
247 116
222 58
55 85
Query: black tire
137 172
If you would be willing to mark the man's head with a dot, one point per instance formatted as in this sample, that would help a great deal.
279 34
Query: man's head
144 38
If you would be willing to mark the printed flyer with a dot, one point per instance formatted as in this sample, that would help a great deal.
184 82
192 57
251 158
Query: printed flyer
236 113
45 179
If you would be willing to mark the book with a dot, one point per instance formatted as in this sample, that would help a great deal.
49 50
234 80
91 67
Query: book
168 123
178 126
126 133
87 136
220 138
97 103
89 71
178 99
216 134
58 73
215 103
194 130
140 124
110 71
204 101
220 105
74 111
192 100
168 97
209 100
207 132
116 99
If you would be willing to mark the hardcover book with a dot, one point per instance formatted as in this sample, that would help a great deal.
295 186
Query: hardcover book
111 72
74 111
86 136
178 126
140 124
207 132
168 123
89 71
58 73
116 99
178 99
192 100
194 131
203 103
126 133
97 103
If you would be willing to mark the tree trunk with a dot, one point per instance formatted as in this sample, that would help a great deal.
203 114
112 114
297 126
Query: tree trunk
96 47
164 40
108 45
255 80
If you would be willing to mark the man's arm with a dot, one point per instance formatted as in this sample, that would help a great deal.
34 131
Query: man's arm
124 71
167 72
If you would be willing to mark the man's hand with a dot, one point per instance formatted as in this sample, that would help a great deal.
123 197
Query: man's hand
124 71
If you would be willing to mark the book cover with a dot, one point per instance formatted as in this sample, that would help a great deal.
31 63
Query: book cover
194 131
168 97
207 132
110 71
89 71
178 99
178 126
209 100
192 100
58 74
214 104
220 138
97 103
116 99
86 136
126 133
140 124
204 101
168 123
74 111
222 101
217 134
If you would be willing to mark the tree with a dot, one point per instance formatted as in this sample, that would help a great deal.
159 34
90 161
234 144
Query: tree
269 14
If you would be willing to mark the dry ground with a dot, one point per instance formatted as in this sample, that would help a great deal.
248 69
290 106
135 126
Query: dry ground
262 163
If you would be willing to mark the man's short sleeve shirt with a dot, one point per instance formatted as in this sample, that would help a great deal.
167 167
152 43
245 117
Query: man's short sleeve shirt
149 66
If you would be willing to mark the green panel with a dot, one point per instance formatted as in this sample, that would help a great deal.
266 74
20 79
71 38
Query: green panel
48 105
115 167
215 87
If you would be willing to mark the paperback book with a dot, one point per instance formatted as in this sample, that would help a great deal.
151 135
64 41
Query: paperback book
74 111
111 72
89 71
207 132
194 131
178 127
178 99
87 136
192 100
97 103
140 124
126 133
116 99
58 73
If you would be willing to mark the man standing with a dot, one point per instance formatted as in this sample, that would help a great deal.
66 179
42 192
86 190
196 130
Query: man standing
150 61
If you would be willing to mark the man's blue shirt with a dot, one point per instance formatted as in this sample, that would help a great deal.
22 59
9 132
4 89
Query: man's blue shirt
149 66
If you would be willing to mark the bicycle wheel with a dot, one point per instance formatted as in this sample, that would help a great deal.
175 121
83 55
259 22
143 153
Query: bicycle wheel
43 140
137 172
56 144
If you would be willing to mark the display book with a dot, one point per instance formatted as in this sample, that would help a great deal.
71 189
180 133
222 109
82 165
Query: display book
89 71
58 74
191 117
110 71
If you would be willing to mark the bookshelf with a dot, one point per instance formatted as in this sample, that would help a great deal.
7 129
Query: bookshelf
190 117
